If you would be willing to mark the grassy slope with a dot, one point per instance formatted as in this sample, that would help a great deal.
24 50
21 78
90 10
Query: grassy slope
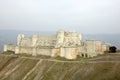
12 68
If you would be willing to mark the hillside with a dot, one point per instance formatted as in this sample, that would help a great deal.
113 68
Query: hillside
28 68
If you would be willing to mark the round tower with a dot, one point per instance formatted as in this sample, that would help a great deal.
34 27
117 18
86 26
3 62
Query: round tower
34 40
80 37
60 38
19 38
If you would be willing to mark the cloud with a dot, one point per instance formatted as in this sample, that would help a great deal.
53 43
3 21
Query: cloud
87 16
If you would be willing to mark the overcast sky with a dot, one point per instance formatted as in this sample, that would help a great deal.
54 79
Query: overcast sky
85 16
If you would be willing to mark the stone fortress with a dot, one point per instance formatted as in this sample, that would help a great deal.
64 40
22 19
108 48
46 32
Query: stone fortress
67 44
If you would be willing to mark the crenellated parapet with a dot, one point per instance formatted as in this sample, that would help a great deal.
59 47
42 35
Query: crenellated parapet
68 39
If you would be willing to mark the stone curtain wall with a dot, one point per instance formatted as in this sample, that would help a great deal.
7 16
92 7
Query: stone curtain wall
9 47
66 44
69 53
44 51
36 40
25 50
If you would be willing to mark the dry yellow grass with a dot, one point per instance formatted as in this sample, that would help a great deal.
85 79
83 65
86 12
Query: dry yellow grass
19 68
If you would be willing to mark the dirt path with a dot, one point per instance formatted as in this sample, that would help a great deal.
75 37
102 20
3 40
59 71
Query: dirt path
94 60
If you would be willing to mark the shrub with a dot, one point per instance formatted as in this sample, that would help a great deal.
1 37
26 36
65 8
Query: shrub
112 49
8 52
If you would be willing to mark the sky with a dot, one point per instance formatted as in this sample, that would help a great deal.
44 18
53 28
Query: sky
85 16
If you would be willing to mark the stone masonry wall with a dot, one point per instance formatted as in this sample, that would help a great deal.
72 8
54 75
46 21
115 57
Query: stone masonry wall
9 47
67 44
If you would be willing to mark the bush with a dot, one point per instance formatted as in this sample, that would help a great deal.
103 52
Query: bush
112 49
8 52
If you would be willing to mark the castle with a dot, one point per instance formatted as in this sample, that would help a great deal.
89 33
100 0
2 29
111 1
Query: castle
67 44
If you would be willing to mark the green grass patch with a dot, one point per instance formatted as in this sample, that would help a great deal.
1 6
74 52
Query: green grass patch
77 59
8 52
24 54
118 51
62 58
106 52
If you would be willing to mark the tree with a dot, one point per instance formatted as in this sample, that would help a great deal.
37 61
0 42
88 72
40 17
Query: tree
112 49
